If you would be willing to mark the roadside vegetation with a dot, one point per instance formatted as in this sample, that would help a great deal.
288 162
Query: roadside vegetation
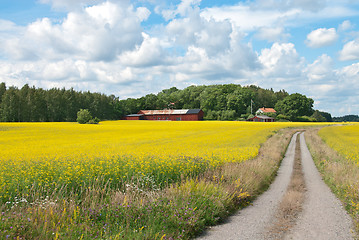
335 152
64 187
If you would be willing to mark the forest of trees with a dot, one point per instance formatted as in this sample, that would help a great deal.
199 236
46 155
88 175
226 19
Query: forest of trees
347 118
229 102
30 104
219 102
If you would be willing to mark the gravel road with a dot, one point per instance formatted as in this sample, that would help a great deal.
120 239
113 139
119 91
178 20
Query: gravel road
323 216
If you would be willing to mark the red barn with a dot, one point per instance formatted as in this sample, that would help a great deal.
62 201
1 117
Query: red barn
168 115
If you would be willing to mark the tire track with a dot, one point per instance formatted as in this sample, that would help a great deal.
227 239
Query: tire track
252 222
322 215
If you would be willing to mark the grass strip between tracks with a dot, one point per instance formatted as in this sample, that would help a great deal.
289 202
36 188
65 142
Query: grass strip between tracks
292 202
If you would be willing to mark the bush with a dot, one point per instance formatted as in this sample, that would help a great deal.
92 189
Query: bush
281 117
84 116
305 119
94 121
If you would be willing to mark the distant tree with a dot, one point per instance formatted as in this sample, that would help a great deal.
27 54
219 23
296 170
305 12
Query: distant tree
294 106
327 116
83 116
2 90
347 118
318 116
10 105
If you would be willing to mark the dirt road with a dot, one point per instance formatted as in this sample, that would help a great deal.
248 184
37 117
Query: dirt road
322 215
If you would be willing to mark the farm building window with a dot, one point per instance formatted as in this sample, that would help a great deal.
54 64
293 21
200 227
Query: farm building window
178 118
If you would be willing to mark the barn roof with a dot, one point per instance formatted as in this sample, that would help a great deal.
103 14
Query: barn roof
193 111
169 111
134 115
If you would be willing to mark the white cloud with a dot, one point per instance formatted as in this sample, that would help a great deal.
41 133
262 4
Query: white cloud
102 46
321 70
350 51
184 8
213 36
308 5
150 53
70 4
281 61
248 19
322 37
351 72
345 25
272 34
98 33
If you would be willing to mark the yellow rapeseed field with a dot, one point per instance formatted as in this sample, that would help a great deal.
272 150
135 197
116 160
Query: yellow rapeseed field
343 139
72 181
50 156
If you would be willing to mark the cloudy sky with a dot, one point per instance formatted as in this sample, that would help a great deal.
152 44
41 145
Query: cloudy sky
133 48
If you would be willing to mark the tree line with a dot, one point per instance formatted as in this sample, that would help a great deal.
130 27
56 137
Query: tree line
229 102
219 102
347 118
30 104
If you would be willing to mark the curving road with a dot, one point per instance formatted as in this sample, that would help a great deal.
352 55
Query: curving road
322 217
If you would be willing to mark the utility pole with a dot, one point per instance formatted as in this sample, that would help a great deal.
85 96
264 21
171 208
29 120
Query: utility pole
252 106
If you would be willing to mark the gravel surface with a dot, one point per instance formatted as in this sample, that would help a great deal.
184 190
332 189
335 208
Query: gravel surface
323 216
252 222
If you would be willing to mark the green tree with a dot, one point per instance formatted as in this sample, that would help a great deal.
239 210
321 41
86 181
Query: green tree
327 116
10 105
294 106
2 90
318 116
83 116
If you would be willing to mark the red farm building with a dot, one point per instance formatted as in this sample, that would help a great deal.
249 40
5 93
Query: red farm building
261 118
168 115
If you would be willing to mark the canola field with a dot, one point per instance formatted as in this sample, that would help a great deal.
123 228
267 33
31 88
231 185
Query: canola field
46 157
126 179
343 139
50 156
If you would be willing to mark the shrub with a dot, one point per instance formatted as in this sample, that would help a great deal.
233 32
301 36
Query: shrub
84 116
305 119
281 117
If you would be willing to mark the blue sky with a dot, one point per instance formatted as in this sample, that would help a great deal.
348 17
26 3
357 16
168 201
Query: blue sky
133 48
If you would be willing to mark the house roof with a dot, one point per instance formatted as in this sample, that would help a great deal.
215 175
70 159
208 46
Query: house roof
267 110
169 111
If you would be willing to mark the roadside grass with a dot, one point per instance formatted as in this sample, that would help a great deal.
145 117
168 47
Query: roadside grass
179 211
341 175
